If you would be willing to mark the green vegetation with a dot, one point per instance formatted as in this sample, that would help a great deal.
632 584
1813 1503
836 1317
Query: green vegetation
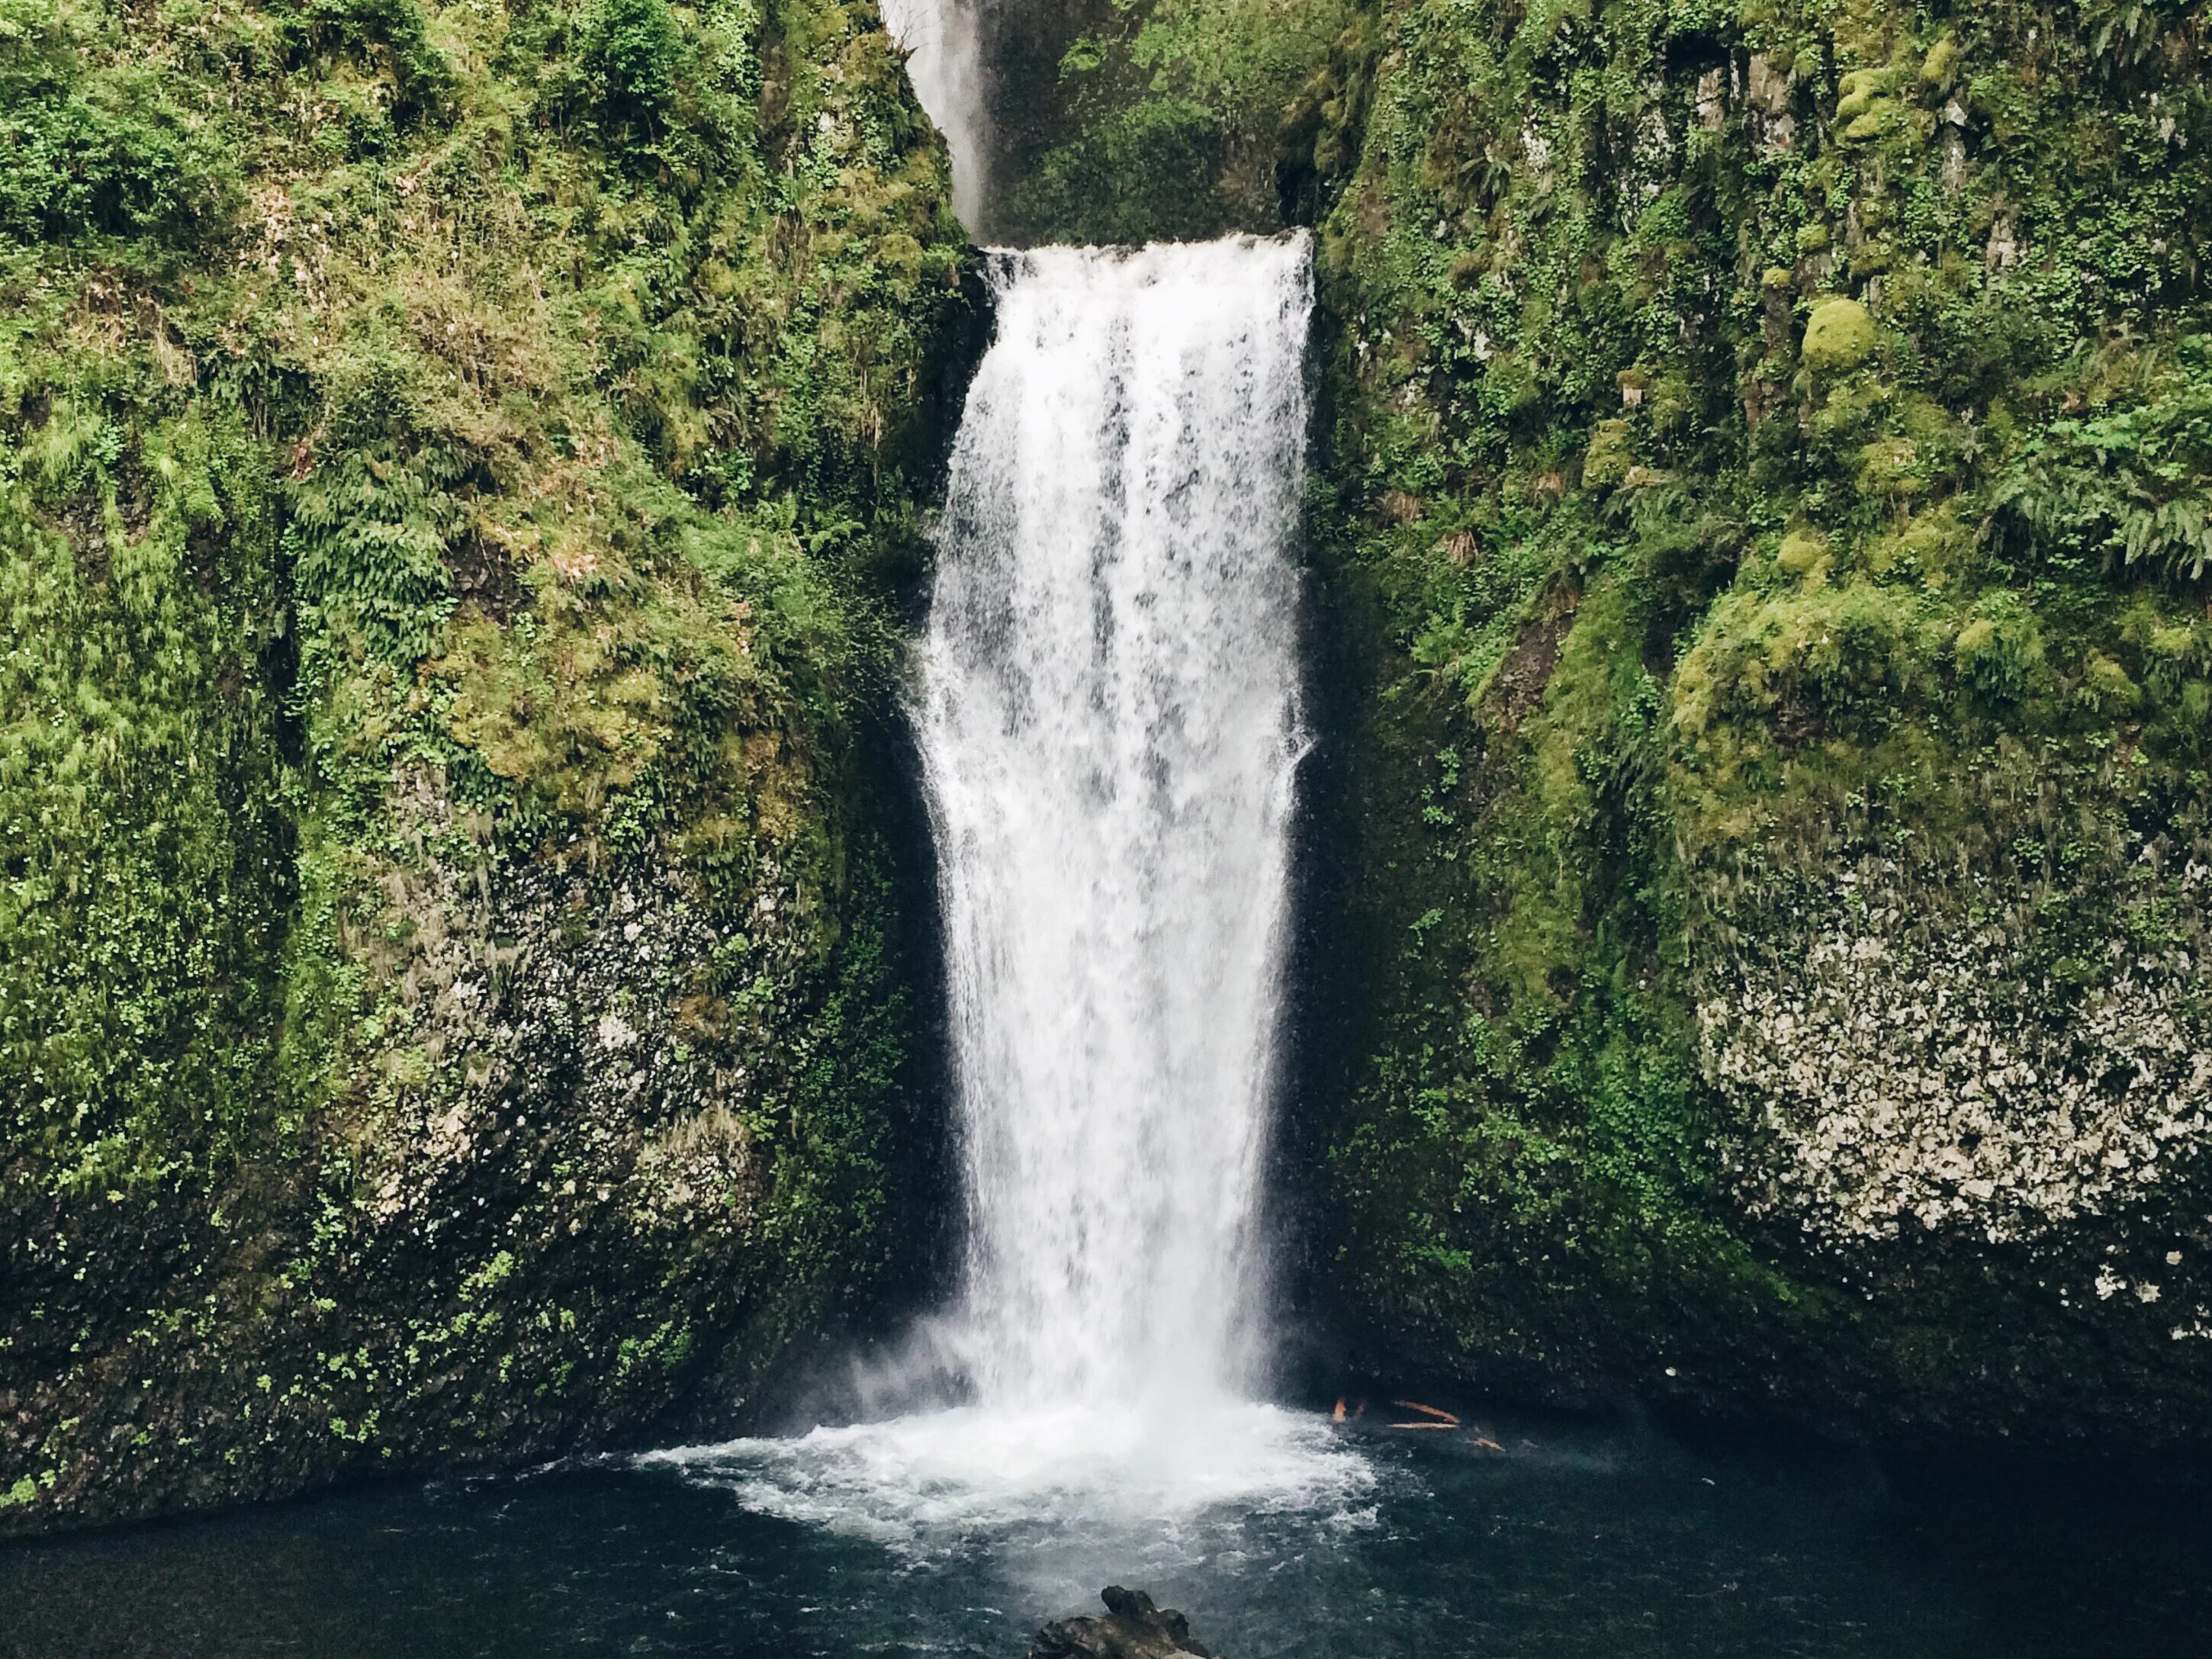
1839 337
1762 503
452 462
1180 118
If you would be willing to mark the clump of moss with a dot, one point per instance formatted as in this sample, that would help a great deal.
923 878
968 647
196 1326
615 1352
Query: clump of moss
1839 337
1802 551
1610 454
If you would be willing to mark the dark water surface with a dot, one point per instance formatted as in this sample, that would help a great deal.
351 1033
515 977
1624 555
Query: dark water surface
1567 1541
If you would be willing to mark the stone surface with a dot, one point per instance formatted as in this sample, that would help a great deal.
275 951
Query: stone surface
1132 1628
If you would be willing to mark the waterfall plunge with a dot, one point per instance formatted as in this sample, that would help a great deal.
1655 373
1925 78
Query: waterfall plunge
1108 719
1109 723
1106 701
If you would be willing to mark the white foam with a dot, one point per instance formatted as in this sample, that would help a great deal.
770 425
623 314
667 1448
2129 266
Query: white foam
972 1475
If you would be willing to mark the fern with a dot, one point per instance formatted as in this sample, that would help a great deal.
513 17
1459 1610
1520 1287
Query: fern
2127 486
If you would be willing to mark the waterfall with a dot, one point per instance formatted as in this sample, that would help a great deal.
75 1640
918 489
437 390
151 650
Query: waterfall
1108 724
1106 701
943 41
1107 705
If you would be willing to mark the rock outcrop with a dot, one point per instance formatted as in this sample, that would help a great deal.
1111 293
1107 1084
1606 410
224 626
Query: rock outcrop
451 1005
1132 1629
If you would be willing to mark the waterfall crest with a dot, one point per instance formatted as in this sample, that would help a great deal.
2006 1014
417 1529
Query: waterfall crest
1108 724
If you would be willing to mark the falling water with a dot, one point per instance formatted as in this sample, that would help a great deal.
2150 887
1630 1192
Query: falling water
1107 704
1110 726
942 41
1106 700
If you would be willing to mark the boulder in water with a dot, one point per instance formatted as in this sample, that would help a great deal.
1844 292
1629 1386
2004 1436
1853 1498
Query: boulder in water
1132 1629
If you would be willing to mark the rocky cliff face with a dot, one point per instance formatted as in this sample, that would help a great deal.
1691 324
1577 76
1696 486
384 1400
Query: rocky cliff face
457 999
1766 521
458 995
1760 604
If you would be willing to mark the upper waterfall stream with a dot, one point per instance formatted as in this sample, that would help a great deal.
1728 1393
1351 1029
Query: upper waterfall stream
1107 704
943 42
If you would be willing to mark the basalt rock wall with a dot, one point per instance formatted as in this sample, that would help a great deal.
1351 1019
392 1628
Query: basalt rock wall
1763 512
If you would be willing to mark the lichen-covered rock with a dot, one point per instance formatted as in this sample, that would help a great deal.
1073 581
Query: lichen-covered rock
1909 1059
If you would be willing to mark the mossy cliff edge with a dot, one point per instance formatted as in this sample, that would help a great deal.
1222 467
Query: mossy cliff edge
455 465
1761 543
1771 458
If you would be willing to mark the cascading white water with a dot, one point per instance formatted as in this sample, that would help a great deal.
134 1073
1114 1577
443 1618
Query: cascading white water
1107 705
942 41
1109 723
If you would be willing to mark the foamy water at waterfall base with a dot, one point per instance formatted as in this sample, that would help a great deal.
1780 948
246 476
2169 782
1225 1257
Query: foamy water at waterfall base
1107 705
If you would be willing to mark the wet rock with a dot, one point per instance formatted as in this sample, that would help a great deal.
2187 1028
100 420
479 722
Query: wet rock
1132 1629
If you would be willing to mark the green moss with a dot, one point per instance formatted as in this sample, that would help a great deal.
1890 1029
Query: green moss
2107 688
1839 337
1802 551
1880 116
1938 67
1858 91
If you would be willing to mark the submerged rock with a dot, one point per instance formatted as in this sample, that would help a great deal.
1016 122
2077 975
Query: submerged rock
1132 1629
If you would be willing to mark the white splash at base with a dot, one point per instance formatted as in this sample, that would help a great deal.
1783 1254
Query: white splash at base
973 1475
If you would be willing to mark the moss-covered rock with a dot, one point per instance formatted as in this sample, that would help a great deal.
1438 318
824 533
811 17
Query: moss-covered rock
455 468
1779 894
1839 336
